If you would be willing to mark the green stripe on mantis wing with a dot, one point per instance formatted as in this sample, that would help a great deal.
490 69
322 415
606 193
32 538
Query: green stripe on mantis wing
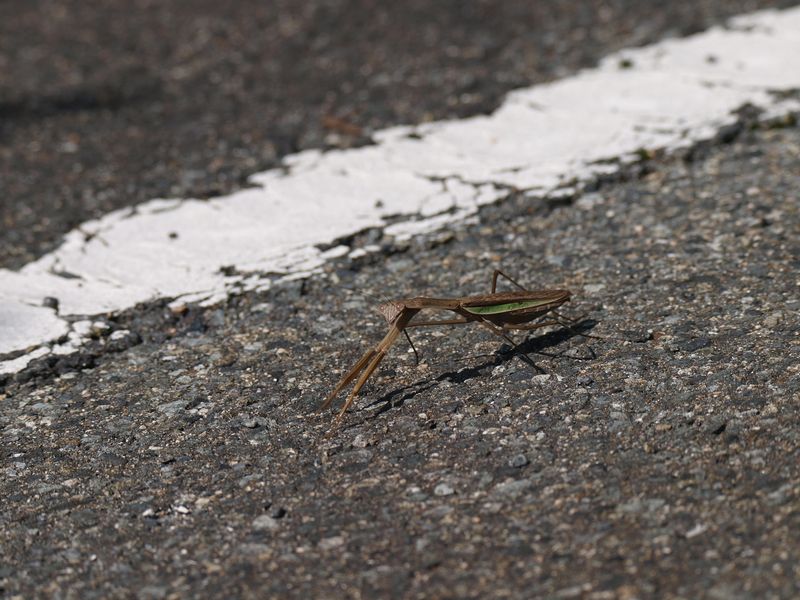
494 309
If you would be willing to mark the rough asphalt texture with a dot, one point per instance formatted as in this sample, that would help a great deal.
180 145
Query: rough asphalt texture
181 454
195 464
106 104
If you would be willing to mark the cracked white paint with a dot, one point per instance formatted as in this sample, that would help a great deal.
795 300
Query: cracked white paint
544 139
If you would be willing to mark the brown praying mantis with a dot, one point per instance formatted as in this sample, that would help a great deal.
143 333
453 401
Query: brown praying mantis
498 312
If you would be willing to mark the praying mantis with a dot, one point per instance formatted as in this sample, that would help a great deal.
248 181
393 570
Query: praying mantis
498 312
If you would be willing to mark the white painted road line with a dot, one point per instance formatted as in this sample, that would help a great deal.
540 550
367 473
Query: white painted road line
542 139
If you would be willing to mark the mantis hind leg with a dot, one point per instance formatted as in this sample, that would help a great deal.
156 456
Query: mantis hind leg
494 281
565 322
497 331
530 326
569 319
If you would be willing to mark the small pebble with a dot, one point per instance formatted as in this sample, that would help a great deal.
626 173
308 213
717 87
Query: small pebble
360 441
331 542
518 461
265 522
443 489
172 408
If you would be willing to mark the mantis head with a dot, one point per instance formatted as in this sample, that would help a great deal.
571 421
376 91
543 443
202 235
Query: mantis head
390 310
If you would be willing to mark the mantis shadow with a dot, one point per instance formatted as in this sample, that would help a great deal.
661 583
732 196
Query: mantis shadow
535 345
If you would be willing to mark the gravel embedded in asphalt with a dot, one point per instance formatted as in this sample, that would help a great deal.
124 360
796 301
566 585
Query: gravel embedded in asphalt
195 462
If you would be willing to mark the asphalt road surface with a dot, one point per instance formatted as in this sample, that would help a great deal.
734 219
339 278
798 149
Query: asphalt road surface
188 459
104 106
